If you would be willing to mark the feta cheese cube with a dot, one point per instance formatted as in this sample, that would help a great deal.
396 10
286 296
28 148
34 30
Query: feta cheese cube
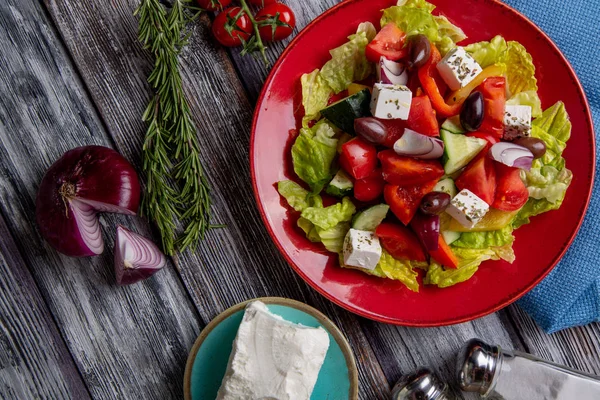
362 249
467 208
390 101
458 68
517 121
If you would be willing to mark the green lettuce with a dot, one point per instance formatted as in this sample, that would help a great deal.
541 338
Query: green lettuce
309 229
548 179
489 53
414 17
297 197
333 238
391 268
348 63
369 30
315 95
312 154
328 217
483 240
528 98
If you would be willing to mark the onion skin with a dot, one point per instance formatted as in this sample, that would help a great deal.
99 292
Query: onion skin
93 177
136 257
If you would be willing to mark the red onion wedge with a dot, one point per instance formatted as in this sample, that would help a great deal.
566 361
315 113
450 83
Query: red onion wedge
83 182
391 72
136 258
427 228
512 154
414 144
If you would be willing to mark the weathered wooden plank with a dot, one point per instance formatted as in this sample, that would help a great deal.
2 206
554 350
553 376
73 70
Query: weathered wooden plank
34 361
126 342
235 263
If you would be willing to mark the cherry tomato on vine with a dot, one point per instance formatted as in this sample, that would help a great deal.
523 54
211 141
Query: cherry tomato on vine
262 3
276 22
213 5
232 26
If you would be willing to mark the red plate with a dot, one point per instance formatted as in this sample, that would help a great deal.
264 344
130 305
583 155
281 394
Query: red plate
538 246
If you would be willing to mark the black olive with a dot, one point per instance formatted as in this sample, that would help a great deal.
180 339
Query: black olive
419 50
370 129
471 115
535 145
434 203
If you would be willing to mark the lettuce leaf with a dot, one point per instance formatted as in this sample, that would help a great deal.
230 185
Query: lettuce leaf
315 95
368 28
312 154
449 34
520 71
309 229
348 62
328 217
333 238
391 268
528 98
555 121
548 183
488 53
423 4
297 197
483 240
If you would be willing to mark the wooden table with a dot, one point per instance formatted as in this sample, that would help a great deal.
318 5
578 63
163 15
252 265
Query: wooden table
72 73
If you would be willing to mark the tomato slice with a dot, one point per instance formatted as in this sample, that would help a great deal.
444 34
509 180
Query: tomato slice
358 158
494 100
480 178
511 193
388 43
421 117
404 200
444 254
400 242
491 139
405 171
369 188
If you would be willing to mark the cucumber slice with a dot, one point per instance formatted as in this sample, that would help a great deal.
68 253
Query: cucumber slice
369 219
453 125
446 186
341 185
450 236
459 150
343 112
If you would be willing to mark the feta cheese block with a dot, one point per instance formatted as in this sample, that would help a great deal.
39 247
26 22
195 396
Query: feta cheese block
458 68
467 208
273 358
517 122
390 101
361 249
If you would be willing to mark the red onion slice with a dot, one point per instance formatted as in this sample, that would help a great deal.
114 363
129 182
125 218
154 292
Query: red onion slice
512 155
414 144
391 72
88 226
136 258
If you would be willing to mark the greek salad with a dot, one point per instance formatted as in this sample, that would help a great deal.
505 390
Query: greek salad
420 156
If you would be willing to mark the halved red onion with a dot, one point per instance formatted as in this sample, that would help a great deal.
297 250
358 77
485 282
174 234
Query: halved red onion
83 182
414 144
512 154
136 257
427 228
391 72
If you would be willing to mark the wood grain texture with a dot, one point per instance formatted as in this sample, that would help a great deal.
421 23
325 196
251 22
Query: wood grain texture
34 361
127 342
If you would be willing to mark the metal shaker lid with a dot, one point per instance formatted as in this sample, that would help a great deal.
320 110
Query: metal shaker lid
423 384
476 365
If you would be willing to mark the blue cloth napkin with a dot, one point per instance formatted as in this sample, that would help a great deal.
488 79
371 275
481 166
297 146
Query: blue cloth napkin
570 294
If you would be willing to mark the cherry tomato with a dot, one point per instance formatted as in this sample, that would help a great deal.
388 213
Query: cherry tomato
358 158
276 22
388 43
213 5
231 26
262 3
400 242
369 188
406 171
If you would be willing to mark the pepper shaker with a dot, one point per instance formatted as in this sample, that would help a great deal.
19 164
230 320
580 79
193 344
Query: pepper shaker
423 384
500 374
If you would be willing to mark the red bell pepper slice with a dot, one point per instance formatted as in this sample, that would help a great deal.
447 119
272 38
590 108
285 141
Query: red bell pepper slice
426 76
444 254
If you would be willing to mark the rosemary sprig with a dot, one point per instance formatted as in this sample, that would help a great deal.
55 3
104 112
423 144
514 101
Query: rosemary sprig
176 187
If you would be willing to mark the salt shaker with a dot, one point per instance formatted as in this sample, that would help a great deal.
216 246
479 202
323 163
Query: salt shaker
423 384
500 374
